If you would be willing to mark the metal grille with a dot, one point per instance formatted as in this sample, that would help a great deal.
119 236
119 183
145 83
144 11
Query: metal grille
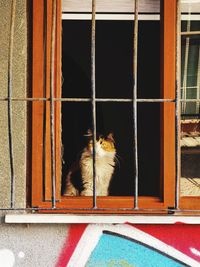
93 100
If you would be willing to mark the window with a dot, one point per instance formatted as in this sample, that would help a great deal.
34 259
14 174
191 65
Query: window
190 47
142 115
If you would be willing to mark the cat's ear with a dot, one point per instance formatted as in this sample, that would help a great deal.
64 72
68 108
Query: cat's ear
89 133
111 137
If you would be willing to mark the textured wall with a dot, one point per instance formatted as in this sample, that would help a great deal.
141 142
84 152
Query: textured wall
31 245
19 73
98 245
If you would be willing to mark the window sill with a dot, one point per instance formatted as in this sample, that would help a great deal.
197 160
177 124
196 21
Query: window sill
136 219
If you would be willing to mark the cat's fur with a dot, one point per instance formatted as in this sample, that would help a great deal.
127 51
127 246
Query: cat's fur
105 164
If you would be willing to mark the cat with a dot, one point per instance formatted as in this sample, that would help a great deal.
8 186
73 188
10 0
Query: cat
105 165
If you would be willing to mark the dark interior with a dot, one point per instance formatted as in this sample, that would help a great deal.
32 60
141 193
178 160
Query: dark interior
114 56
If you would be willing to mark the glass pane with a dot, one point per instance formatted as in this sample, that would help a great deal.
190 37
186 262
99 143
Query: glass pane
190 11
190 90
114 149
116 118
76 120
114 79
149 59
149 150
190 74
114 57
76 64
190 158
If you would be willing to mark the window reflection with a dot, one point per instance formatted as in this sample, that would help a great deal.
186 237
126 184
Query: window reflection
190 91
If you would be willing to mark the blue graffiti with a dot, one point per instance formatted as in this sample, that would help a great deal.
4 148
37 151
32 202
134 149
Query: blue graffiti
115 251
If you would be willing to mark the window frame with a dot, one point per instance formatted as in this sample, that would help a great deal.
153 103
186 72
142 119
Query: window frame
41 81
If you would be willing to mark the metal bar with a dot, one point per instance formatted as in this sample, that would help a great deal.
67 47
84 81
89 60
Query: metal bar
198 83
44 93
103 209
89 99
190 33
119 100
93 99
135 54
52 113
10 87
178 106
183 107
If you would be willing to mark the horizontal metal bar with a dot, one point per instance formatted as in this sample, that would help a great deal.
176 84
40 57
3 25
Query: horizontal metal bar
100 209
150 100
190 33
117 100
90 100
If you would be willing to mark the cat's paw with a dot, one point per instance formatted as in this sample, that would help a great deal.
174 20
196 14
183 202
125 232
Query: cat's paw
71 192
87 192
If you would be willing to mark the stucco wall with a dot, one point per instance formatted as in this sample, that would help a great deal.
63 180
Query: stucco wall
31 245
99 245
19 74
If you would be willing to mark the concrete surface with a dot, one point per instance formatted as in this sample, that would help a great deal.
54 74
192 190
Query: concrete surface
31 245
19 87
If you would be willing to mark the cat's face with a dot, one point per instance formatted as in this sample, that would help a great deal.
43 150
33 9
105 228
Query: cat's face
104 145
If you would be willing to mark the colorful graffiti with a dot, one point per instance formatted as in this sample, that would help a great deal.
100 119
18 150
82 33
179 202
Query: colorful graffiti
128 245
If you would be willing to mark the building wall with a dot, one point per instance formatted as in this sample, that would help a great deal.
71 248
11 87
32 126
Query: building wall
99 245
50 244
31 245
19 88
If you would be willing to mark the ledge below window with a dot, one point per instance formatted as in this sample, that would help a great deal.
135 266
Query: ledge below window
136 219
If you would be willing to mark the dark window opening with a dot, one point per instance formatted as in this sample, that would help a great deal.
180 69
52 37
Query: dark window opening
114 54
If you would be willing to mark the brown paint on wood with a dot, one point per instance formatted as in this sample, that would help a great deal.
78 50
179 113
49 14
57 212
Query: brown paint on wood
105 202
191 203
47 161
41 169
37 107
168 77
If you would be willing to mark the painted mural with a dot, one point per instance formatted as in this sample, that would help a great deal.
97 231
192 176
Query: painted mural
99 245
131 245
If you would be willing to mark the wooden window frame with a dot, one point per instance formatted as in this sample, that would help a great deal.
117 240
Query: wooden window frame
41 195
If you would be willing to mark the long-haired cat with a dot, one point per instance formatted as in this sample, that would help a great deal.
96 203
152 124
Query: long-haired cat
105 164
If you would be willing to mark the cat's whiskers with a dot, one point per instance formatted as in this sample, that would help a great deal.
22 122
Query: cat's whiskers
117 160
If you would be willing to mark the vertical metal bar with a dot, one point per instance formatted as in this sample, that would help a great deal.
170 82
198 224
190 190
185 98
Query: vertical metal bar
44 93
198 83
187 46
177 104
135 54
10 79
93 99
52 113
